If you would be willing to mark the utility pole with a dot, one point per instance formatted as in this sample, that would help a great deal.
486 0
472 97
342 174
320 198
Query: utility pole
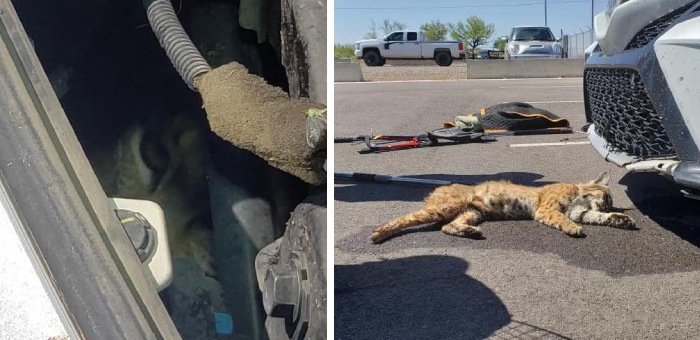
545 12
592 26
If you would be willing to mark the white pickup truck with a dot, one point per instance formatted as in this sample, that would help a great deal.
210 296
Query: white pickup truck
407 45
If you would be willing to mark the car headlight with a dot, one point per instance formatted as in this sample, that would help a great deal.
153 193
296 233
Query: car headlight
513 48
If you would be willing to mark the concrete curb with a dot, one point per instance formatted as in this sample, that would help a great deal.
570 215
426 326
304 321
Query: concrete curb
347 72
537 68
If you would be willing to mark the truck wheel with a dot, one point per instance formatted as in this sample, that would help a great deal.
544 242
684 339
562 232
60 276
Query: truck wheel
443 59
372 58
381 63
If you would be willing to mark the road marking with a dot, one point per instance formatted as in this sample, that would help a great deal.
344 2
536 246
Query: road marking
548 144
452 80
553 102
537 86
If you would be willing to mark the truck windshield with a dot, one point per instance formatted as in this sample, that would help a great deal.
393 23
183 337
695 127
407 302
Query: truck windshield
532 33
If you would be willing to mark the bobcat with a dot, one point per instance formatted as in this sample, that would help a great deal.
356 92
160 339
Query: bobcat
162 160
557 205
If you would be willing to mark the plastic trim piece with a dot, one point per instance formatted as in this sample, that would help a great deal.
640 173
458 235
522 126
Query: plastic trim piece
617 158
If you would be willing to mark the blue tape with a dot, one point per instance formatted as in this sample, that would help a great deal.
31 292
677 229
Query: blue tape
224 323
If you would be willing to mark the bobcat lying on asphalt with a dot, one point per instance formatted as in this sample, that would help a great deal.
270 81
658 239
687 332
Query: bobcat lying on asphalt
557 205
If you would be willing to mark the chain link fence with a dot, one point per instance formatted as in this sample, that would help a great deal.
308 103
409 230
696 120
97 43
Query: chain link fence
575 44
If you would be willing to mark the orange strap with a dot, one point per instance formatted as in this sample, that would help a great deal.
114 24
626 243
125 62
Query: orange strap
536 115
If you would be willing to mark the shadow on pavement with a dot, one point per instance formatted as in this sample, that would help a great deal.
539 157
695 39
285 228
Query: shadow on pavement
421 297
355 191
522 330
662 201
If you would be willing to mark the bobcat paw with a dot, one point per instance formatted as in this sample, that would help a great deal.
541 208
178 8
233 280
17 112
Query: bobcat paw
205 262
621 221
575 232
469 232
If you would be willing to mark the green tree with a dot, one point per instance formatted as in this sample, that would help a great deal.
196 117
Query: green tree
500 44
474 32
344 51
389 26
434 30
372 34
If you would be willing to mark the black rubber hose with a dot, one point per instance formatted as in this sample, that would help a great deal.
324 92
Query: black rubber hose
348 139
186 58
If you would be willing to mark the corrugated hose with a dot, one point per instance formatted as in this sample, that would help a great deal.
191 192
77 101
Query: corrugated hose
186 58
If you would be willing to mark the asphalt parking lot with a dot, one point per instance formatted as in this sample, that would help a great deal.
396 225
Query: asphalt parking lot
524 280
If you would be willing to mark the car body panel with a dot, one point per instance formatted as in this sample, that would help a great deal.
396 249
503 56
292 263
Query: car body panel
678 53
665 55
615 28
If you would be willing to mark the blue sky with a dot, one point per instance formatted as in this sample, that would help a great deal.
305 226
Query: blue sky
352 17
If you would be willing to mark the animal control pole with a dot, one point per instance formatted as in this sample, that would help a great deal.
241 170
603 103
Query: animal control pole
358 176
545 12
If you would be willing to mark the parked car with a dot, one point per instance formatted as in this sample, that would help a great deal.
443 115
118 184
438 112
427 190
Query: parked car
483 54
532 42
642 88
407 45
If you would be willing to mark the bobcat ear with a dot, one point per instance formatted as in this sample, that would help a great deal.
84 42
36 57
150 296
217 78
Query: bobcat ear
602 179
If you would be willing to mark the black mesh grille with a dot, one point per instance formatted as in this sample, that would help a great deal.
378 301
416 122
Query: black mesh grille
623 114
653 30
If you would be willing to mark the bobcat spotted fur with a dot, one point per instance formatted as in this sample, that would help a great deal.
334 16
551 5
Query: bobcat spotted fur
559 205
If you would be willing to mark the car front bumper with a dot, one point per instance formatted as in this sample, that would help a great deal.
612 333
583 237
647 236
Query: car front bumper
642 101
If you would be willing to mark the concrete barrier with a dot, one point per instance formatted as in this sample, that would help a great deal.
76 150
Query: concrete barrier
536 68
347 72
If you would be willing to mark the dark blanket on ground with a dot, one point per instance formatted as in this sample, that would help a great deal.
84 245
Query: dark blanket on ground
517 116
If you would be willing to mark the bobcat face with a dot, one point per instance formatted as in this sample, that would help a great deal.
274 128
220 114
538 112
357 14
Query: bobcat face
165 163
596 193
597 197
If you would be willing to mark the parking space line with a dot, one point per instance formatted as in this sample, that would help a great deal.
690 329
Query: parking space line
456 80
553 102
524 145
537 86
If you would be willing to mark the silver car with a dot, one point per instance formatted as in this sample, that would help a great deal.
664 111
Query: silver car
532 42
